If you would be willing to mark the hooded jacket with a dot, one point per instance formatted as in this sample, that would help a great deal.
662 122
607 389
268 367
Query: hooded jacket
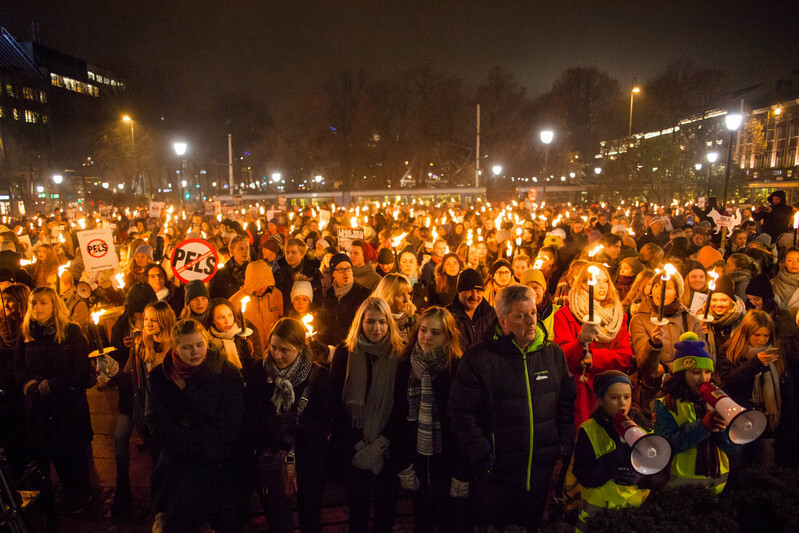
266 301
778 221
512 410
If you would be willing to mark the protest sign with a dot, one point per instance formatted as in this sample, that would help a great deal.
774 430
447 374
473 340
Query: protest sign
156 208
194 259
346 236
97 249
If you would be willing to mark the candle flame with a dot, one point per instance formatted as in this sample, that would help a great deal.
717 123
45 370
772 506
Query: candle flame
96 316
63 268
593 270
668 272
595 251
353 222
796 220
307 320
712 283
120 278
395 242
244 302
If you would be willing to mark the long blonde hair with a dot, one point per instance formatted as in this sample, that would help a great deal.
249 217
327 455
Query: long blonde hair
584 276
165 317
452 335
60 317
392 285
374 304
736 348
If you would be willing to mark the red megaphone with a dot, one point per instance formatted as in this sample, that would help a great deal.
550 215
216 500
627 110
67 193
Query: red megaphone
650 453
743 425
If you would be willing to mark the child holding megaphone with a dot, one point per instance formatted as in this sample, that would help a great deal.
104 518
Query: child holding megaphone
698 434
604 462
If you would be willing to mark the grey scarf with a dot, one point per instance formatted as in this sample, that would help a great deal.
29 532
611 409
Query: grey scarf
286 379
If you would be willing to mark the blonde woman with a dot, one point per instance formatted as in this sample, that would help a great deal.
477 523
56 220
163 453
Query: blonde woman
44 271
53 368
592 348
363 372
397 291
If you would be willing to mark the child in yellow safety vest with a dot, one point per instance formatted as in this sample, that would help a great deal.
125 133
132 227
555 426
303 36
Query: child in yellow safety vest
601 461
698 435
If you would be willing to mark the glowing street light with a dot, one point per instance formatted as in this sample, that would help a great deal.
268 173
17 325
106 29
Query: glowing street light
733 122
635 90
496 170
180 148
276 177
546 136
58 179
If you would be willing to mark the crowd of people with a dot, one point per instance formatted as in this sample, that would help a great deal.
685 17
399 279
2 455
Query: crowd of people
474 358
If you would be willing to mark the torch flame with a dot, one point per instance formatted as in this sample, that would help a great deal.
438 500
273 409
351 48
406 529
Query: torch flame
593 270
712 283
96 316
668 272
796 220
353 222
308 321
595 251
120 278
244 302
63 268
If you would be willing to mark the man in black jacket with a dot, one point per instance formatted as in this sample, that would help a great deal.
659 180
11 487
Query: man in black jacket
229 279
472 312
775 217
511 411
341 301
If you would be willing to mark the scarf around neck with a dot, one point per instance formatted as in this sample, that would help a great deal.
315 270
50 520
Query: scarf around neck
229 343
374 397
785 284
287 379
180 372
610 318
422 408
732 316
342 291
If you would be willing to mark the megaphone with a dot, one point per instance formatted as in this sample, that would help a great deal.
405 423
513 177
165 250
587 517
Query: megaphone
650 453
84 290
743 425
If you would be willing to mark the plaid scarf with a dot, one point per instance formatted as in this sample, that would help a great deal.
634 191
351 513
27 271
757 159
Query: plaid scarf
425 366
286 379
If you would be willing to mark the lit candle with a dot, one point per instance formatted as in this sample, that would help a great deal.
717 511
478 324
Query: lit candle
308 321
593 270
711 286
120 279
244 302
96 319
668 271
795 226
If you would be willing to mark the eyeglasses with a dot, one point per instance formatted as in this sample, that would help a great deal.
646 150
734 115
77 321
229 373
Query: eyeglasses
156 276
342 270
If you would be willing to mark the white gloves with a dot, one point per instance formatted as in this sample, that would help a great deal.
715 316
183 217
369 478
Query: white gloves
408 479
588 333
370 456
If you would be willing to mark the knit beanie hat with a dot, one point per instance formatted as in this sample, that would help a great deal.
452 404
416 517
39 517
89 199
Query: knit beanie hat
408 250
532 275
724 285
690 353
499 263
469 280
760 286
338 259
604 380
139 295
618 229
302 288
194 289
272 245
385 257
689 266
145 249
708 255
633 263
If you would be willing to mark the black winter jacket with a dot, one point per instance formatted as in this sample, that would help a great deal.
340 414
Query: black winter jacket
285 278
197 431
337 315
227 280
497 393
472 329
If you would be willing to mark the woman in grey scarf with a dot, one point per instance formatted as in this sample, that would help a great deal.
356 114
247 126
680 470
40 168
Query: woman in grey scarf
363 371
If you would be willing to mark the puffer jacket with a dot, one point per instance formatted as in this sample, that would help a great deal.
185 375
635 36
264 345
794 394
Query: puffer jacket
512 411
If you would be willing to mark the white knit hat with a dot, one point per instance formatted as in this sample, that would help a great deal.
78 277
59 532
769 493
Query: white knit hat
302 288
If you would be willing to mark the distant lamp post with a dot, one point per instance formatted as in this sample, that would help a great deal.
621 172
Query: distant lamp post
496 170
180 150
546 136
58 179
127 119
597 170
276 177
733 122
318 179
635 90
712 157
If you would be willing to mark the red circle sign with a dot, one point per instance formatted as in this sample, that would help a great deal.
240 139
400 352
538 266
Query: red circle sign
532 194
97 248
194 259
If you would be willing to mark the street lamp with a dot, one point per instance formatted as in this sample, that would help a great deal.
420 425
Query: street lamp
126 118
635 90
58 179
276 177
712 157
180 148
546 136
733 122
496 170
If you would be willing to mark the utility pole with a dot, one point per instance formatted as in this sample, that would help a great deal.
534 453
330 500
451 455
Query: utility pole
477 152
230 162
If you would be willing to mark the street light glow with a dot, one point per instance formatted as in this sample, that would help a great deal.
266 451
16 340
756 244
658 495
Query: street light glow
276 176
547 136
733 121
318 179
180 148
636 90
497 170
712 157
183 183
126 118
57 179
597 170
698 166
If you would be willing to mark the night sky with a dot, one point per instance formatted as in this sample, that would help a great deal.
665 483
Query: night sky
271 49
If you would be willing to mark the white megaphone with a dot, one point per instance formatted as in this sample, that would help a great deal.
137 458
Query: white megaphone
743 425
650 453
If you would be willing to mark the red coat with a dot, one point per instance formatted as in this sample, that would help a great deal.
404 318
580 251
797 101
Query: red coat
614 355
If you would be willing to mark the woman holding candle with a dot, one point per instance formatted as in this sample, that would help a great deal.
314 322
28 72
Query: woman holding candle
52 366
727 311
653 345
604 335
287 413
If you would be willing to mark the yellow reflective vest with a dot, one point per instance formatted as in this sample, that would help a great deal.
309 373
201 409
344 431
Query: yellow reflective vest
610 495
683 465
